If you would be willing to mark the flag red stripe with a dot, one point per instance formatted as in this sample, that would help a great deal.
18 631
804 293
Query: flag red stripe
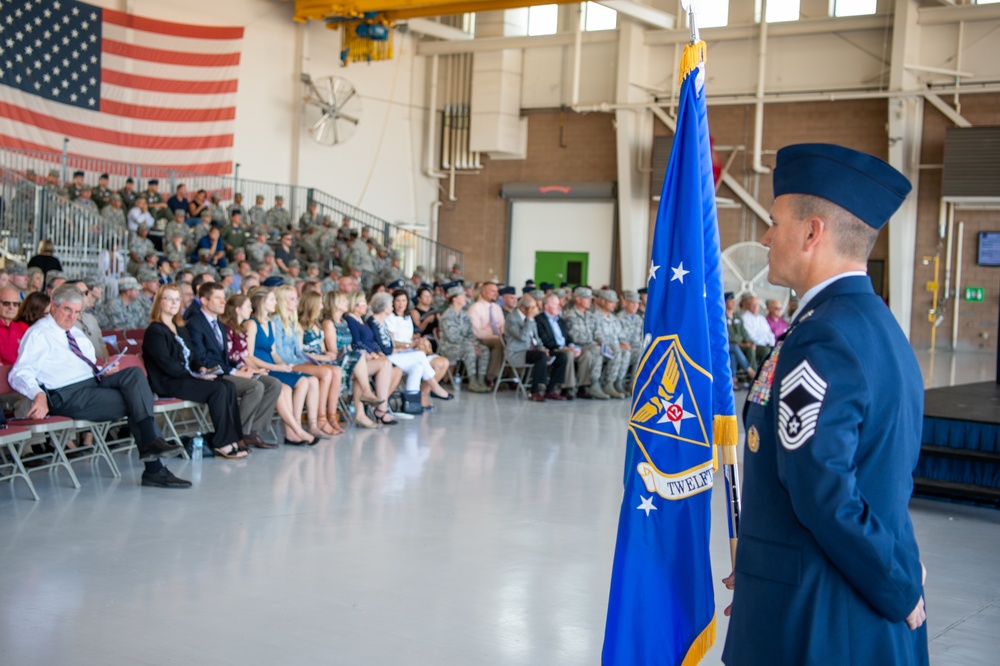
84 161
168 85
169 57
91 133
168 28
167 114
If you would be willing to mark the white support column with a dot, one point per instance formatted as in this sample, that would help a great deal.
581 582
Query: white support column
905 131
633 185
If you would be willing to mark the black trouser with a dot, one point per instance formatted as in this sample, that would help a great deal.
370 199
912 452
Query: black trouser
220 396
124 393
556 372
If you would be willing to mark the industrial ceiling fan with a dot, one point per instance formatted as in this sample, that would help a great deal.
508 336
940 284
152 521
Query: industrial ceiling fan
332 109
744 269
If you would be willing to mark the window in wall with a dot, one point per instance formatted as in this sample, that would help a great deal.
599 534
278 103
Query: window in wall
778 10
710 14
853 7
986 2
543 19
598 17
469 23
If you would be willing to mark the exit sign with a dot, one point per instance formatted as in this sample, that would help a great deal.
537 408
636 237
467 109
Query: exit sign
973 294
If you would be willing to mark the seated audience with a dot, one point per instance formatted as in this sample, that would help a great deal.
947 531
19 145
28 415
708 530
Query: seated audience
87 322
580 323
236 320
425 315
36 280
127 310
420 374
456 341
742 351
177 373
553 334
523 346
487 324
353 365
11 331
208 336
260 340
756 325
288 343
777 323
51 356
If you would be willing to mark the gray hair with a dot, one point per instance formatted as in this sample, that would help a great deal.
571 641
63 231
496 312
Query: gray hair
380 303
67 293
852 237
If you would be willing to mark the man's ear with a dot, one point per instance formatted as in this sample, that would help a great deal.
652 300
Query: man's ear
814 229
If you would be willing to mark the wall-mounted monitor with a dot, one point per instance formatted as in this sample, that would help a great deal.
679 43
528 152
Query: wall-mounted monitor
989 248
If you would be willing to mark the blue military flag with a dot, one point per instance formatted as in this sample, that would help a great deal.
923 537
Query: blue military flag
661 609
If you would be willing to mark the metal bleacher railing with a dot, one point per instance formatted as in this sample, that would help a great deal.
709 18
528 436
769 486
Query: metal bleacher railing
21 165
85 242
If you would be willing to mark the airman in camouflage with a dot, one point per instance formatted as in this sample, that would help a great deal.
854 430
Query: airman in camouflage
138 247
580 321
279 217
178 226
127 310
633 323
73 189
157 204
457 342
257 250
113 212
609 332
128 194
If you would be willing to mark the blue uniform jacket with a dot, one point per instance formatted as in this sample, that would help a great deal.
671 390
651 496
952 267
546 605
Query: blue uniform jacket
827 566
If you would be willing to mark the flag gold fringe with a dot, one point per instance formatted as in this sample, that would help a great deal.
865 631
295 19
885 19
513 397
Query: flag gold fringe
701 645
726 434
694 55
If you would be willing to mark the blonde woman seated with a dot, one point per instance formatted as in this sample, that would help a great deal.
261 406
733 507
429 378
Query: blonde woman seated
290 403
363 340
352 364
420 375
404 337
288 344
260 342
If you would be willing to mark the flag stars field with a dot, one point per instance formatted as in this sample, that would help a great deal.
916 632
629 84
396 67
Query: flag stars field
652 270
679 272
647 505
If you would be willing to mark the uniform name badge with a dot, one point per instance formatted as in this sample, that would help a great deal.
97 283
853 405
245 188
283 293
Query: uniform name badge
760 392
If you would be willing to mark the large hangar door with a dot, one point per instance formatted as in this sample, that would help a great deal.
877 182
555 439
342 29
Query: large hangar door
561 226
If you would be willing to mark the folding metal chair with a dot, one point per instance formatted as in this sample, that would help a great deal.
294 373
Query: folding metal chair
168 409
12 439
519 372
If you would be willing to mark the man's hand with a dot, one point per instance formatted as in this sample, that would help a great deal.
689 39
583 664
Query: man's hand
111 369
245 372
730 583
626 346
917 616
39 407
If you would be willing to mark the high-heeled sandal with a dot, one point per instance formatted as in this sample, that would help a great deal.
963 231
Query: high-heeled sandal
382 414
230 452
324 426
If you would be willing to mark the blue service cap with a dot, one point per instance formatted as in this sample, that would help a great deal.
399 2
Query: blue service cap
546 286
273 281
862 184
507 290
395 284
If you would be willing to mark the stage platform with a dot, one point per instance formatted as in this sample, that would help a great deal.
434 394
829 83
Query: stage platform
960 448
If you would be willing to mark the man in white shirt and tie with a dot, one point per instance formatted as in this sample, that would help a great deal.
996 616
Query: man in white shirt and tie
755 323
487 325
56 368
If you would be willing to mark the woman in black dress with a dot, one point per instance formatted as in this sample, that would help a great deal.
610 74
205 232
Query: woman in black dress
175 372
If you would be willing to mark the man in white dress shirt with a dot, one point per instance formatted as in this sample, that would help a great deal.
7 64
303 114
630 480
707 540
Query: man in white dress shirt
56 368
755 323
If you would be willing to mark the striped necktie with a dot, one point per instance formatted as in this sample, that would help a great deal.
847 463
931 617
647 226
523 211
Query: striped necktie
75 348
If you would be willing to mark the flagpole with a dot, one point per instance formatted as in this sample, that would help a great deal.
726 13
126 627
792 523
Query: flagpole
727 449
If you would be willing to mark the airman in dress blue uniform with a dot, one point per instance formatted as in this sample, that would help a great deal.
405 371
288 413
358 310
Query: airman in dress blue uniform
827 567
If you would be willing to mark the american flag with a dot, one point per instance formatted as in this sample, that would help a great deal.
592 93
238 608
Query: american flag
120 87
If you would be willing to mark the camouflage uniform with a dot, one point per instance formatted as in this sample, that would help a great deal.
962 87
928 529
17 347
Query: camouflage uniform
361 259
633 335
128 198
218 213
581 330
73 191
279 218
141 247
198 232
609 332
176 227
114 215
133 315
154 199
256 253
456 342
257 217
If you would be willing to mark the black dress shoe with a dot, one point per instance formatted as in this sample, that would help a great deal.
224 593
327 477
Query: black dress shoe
164 479
583 393
442 397
569 394
537 397
159 448
258 441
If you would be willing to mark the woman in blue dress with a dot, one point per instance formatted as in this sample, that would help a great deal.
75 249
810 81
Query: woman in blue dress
260 339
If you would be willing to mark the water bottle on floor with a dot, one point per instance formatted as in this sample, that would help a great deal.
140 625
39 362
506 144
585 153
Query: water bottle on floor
197 447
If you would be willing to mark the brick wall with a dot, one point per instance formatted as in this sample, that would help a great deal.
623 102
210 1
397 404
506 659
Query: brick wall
561 146
977 321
